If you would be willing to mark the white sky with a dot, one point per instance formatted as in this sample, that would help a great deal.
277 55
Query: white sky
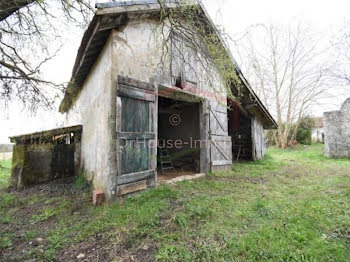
235 16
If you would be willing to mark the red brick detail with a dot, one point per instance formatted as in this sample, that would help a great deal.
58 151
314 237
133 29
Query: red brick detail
98 197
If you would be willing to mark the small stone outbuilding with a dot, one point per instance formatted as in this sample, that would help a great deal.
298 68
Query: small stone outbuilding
44 156
337 132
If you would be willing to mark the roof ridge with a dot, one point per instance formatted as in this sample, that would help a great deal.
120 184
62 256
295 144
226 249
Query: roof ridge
111 4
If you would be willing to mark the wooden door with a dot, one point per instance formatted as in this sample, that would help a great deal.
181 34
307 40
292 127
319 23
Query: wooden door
220 142
136 118
258 139
63 161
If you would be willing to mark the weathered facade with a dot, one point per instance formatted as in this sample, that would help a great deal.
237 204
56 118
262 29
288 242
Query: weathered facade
138 105
45 156
127 97
337 132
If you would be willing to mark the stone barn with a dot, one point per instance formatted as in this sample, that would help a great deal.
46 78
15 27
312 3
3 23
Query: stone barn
147 117
337 132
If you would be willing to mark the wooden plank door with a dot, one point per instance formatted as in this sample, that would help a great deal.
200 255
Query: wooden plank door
63 161
136 119
258 139
220 141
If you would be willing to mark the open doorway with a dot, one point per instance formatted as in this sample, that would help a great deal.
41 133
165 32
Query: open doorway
240 130
178 139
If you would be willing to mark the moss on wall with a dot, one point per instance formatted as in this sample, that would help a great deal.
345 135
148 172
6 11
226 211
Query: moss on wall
18 160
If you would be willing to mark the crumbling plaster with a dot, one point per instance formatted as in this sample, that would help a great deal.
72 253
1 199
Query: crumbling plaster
141 54
94 109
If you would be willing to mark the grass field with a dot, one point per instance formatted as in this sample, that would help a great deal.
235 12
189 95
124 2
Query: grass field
292 206
5 167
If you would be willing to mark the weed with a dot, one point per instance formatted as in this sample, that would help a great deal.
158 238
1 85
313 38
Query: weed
6 239
261 208
7 200
181 220
173 253
49 212
44 215
81 181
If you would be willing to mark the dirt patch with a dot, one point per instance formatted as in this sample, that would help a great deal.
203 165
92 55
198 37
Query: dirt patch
145 253
59 187
34 212
93 249
169 175
32 201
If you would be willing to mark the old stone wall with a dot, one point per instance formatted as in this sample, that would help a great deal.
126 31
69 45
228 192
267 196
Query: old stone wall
93 110
35 163
337 132
31 164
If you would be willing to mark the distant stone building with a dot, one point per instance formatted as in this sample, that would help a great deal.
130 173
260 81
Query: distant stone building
337 132
318 130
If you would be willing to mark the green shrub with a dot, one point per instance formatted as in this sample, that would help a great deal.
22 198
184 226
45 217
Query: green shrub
181 220
303 136
305 131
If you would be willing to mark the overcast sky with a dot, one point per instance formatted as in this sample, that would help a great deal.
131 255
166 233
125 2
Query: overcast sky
323 16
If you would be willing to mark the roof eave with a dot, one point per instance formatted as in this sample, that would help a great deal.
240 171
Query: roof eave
45 134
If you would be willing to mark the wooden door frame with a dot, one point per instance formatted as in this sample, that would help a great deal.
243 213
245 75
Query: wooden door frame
182 95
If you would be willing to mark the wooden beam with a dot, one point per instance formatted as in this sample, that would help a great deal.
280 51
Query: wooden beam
247 107
95 30
133 136
135 177
111 22
131 188
136 93
127 81
222 162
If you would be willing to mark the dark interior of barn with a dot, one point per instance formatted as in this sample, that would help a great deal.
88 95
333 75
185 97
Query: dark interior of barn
178 138
239 128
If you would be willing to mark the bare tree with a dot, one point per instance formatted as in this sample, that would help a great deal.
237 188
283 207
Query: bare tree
29 38
341 68
287 69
